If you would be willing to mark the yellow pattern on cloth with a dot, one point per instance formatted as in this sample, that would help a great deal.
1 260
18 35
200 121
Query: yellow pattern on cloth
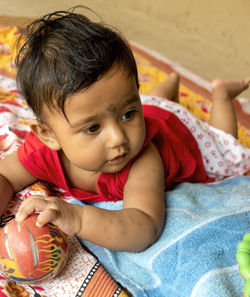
8 37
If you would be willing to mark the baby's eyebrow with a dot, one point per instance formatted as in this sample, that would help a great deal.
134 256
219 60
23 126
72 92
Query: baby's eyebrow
83 121
135 98
131 100
112 108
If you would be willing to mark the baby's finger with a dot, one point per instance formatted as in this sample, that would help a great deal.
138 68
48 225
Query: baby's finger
47 216
29 206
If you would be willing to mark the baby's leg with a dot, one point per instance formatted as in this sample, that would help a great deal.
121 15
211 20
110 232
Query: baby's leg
168 89
222 113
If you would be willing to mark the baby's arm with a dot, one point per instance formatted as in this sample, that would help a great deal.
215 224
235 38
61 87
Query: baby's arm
132 228
140 222
13 177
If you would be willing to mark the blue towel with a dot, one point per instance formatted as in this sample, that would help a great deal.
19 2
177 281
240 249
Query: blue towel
195 255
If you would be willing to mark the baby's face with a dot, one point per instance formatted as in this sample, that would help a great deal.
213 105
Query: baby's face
105 126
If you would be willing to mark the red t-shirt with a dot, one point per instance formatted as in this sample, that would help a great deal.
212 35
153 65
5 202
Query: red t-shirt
178 149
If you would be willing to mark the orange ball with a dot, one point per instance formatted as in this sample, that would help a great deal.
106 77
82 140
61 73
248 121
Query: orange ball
31 254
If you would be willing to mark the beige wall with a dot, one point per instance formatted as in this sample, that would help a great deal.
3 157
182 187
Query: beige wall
210 38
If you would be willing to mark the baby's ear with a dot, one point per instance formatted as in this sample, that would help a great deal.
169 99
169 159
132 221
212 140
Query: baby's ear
45 134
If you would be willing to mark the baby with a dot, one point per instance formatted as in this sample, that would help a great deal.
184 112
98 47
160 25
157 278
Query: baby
93 138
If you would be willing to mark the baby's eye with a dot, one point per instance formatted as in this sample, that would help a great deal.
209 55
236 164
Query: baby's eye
128 115
91 129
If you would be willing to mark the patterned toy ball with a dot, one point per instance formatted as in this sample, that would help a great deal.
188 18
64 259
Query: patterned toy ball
31 254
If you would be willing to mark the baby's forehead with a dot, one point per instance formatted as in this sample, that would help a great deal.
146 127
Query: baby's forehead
117 80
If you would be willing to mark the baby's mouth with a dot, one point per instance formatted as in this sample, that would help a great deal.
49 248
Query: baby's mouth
117 160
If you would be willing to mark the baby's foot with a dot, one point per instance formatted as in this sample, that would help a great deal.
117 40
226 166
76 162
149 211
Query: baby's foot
228 89
169 88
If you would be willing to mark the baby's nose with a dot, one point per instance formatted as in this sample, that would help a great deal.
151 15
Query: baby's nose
115 137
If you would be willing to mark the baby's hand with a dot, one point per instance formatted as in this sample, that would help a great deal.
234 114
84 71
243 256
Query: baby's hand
66 216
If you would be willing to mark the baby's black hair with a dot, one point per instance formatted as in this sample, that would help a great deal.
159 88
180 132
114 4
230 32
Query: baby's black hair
64 53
